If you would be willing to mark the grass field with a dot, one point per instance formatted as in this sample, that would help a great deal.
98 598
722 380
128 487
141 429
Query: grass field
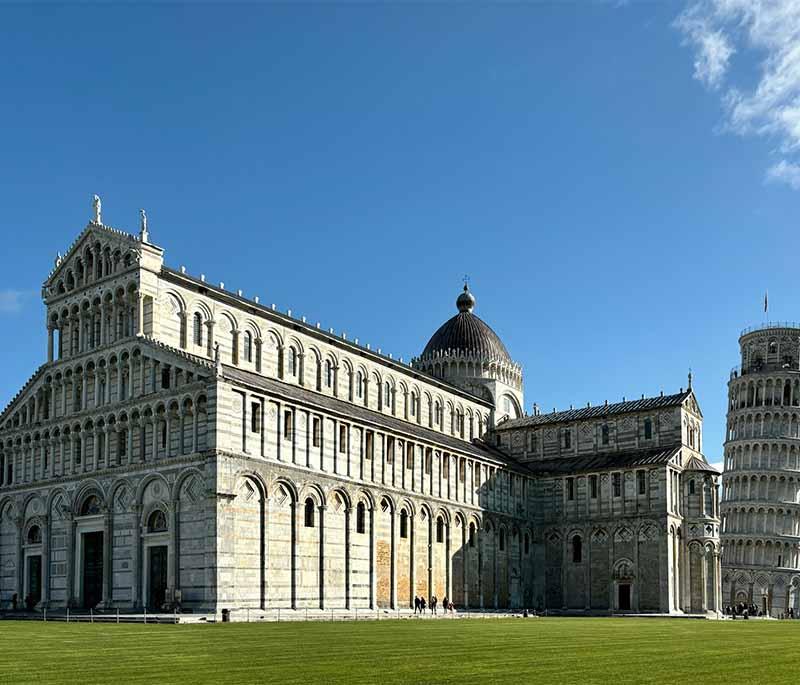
571 650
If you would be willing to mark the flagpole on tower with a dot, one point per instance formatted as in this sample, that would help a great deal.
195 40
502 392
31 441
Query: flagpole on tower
766 305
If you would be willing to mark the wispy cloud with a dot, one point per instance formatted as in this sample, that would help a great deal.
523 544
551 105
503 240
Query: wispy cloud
12 301
770 30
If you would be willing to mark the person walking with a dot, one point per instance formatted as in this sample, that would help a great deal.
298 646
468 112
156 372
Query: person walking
445 604
416 604
422 605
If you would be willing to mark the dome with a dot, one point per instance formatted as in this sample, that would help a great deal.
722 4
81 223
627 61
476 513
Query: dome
468 334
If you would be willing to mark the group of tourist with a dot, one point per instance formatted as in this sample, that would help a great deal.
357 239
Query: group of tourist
420 604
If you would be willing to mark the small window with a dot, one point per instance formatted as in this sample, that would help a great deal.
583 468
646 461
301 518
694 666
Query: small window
316 438
409 456
35 535
308 513
617 484
122 442
403 523
567 438
248 346
288 426
438 414
462 470
641 482
691 487
255 417
157 522
502 540
165 379
292 361
527 545
439 529
577 550
428 461
414 400
648 429
532 442
570 489
387 395
370 445
445 468
163 435
471 534
343 438
328 374
361 515
593 487
605 434
360 385
91 506
198 329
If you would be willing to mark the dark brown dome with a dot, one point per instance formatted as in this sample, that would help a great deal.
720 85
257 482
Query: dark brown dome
468 334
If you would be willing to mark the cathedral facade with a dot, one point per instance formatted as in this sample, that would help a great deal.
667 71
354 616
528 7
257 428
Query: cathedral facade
184 445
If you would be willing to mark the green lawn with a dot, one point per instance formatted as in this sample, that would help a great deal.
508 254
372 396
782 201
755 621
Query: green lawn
553 650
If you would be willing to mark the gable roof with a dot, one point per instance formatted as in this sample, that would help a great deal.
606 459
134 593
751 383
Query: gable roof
603 462
645 404
694 463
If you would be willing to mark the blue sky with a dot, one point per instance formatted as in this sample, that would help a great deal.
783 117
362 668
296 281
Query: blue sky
619 180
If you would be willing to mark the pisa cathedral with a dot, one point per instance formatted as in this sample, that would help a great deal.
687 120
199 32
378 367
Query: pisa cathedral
182 444
761 484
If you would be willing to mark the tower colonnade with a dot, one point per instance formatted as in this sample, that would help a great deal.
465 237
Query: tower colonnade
761 482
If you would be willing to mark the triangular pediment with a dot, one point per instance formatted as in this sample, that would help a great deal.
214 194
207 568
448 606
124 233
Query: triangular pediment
690 403
94 242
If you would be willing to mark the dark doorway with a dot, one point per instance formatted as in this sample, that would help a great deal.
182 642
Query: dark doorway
92 569
624 597
157 578
34 581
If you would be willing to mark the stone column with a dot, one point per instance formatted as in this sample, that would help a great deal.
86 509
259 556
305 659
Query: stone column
294 509
347 535
45 561
136 556
321 556
373 576
50 343
393 590
139 314
70 526
411 543
173 556
108 541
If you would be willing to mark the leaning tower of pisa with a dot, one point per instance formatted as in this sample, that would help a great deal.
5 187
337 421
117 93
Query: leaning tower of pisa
761 481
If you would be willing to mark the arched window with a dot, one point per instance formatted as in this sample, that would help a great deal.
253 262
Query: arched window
361 515
414 403
328 374
248 346
387 395
502 540
91 506
309 513
34 535
292 361
403 523
439 529
157 522
577 551
360 385
438 414
471 534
